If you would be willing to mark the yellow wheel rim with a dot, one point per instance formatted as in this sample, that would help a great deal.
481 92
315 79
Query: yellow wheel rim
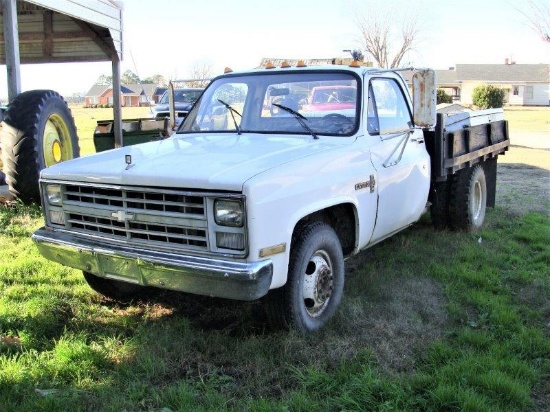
57 143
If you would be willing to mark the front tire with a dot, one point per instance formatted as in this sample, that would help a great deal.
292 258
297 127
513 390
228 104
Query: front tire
38 131
469 199
114 289
315 283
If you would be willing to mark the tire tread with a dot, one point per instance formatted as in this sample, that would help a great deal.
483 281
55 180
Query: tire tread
279 303
460 198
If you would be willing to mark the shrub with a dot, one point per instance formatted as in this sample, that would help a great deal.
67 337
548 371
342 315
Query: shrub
443 97
488 96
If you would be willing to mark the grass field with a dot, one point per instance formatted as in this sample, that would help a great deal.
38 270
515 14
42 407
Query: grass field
532 119
430 321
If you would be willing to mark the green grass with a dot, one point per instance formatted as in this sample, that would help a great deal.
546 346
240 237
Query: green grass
526 118
435 321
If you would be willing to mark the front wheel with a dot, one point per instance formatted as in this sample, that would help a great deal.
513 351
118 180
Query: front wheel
468 201
315 284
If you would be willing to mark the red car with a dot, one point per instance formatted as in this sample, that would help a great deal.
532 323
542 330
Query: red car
324 98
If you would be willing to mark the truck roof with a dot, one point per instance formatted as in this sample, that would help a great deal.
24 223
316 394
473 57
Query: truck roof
361 70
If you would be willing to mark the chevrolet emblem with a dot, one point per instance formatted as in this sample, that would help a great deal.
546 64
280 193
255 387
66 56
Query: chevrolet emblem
122 216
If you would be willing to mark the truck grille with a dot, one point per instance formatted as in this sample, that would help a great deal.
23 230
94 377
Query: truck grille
138 216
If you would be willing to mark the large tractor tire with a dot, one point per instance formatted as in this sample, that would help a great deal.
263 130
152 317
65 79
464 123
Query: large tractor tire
38 131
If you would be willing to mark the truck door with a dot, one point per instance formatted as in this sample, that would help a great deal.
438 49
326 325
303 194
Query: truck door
399 156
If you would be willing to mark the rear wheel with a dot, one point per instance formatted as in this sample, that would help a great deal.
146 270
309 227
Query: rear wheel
37 131
468 199
114 289
439 209
315 284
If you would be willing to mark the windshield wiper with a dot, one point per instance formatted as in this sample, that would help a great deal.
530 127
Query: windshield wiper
298 116
232 110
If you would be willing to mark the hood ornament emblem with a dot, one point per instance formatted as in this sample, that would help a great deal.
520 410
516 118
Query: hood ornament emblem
122 216
128 160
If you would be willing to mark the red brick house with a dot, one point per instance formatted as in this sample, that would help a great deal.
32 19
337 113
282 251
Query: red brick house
132 95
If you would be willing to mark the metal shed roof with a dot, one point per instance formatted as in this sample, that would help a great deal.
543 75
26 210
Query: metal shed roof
66 31
49 31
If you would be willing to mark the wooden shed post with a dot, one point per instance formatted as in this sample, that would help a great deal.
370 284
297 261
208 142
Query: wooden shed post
117 110
11 42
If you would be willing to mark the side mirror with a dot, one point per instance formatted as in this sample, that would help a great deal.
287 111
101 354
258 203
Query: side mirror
424 98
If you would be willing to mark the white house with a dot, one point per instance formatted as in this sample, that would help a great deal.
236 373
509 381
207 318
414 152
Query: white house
524 84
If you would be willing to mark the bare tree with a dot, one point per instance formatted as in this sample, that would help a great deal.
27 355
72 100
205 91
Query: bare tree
537 14
200 72
387 32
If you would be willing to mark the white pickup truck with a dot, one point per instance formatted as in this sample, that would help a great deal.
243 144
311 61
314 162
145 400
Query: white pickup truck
264 191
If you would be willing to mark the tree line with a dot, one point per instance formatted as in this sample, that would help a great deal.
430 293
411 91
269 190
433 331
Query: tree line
129 77
198 76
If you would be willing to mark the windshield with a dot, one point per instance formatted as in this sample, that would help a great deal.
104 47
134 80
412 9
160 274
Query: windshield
181 96
314 103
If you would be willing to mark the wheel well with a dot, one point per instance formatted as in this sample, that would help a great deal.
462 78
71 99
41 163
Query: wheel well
342 218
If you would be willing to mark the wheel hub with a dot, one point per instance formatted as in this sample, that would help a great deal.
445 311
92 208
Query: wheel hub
56 151
318 284
56 141
477 200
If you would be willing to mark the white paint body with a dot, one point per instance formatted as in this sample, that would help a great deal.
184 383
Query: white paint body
283 178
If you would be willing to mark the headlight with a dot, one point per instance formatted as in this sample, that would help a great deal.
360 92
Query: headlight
53 192
229 213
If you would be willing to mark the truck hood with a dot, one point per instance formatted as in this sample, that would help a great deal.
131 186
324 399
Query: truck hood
205 161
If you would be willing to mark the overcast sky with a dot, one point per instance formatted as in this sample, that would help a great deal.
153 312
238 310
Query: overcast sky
172 36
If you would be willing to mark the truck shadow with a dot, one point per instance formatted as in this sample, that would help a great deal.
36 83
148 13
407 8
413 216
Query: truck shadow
235 318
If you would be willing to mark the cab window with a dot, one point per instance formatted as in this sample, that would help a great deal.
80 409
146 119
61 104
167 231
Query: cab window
390 112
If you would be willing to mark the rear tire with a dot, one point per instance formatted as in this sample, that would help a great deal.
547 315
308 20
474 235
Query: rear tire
439 209
114 289
38 131
315 283
468 201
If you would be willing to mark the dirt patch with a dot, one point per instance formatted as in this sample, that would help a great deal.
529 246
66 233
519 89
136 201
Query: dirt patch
522 188
403 315
523 181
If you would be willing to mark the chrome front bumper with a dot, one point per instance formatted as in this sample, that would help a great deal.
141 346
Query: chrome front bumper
198 275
